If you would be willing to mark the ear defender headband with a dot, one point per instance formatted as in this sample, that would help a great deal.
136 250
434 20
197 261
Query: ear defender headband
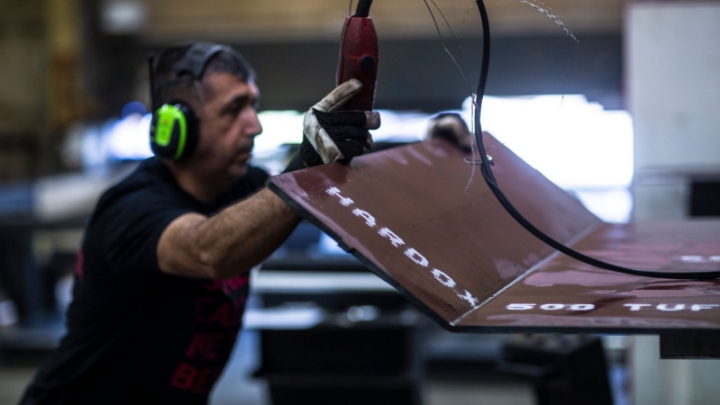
174 130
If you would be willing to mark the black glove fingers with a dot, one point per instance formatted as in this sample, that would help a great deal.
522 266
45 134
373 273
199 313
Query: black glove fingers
341 118
347 130
350 149
339 134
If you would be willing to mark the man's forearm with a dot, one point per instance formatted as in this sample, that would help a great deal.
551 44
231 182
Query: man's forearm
244 234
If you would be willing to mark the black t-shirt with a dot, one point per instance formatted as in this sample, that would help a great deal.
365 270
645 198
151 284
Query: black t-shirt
135 334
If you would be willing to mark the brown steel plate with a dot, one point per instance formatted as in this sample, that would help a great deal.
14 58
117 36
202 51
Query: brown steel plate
409 216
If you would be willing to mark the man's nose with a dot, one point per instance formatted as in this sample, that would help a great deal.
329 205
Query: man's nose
254 128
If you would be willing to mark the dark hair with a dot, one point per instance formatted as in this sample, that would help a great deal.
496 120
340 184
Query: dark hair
169 85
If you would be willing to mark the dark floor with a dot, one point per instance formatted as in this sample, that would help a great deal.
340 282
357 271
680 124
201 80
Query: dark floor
237 388
241 391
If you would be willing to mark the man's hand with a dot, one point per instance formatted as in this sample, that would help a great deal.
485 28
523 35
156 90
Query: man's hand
335 136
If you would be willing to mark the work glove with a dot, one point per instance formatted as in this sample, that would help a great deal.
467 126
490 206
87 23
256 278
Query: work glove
452 128
334 136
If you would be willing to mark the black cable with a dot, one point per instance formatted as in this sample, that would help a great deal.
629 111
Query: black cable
485 168
363 8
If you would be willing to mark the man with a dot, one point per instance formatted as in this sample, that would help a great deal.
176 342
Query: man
161 279
452 128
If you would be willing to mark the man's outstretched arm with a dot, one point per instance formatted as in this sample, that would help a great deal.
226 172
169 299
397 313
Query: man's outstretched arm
229 243
244 234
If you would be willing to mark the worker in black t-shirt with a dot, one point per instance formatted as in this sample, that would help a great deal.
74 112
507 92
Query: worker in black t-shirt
161 278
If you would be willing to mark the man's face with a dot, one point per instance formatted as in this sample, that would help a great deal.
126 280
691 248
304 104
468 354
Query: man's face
228 125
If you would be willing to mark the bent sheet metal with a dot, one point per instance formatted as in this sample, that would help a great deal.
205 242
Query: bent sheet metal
457 255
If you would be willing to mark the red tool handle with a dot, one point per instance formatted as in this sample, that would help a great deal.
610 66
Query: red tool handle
359 60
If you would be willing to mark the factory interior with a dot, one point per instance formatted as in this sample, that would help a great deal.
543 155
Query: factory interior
616 102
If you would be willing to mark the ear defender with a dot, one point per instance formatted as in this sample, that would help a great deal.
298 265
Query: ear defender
174 131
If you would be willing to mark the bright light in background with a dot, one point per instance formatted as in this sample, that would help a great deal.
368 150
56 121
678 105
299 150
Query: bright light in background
401 126
286 127
123 16
129 138
576 144
279 127
283 127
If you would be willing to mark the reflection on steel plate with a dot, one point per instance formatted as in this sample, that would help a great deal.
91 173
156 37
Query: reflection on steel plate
456 254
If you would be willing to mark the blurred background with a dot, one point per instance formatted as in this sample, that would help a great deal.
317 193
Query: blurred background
617 104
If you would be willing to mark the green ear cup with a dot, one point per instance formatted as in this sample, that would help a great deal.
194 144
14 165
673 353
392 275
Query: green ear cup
173 131
169 116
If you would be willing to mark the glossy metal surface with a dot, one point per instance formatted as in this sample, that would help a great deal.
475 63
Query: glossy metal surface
420 229
569 295
408 215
